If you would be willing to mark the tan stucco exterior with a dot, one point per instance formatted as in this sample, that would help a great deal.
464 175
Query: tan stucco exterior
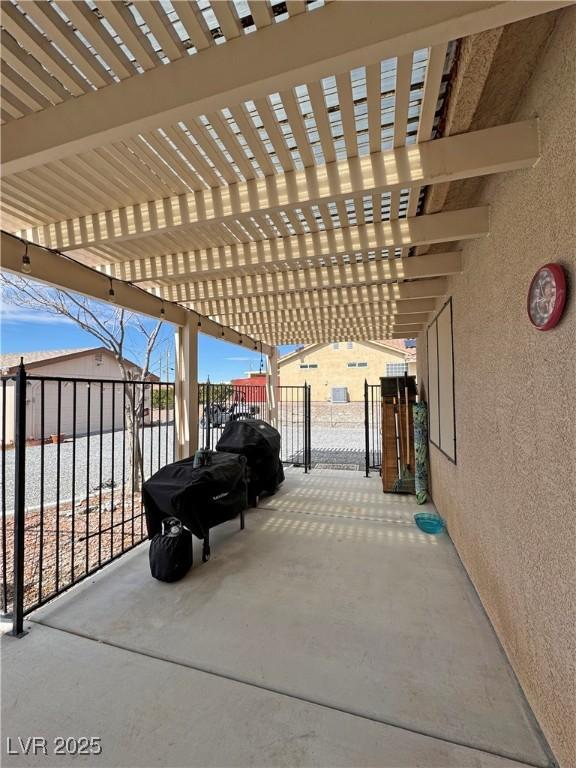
89 364
510 500
334 369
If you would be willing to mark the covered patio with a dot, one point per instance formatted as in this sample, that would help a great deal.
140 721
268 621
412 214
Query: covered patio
328 632
281 173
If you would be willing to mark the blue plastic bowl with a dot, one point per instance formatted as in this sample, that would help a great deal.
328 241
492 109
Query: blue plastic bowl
429 523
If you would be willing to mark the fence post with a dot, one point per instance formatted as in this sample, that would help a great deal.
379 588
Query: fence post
366 428
309 421
208 417
19 500
305 425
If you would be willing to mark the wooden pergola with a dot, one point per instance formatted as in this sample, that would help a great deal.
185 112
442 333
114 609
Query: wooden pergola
251 169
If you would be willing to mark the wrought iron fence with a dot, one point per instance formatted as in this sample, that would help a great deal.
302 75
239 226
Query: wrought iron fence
221 403
294 424
373 426
74 454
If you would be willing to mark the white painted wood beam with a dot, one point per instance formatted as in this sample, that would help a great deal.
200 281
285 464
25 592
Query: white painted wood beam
272 387
401 309
329 336
186 394
493 150
419 289
345 275
304 49
299 250
360 321
62 272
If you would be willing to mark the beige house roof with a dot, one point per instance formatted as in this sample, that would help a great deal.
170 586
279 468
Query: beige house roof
262 164
10 362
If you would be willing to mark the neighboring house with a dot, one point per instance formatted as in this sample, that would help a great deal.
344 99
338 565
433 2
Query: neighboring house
253 388
337 371
89 363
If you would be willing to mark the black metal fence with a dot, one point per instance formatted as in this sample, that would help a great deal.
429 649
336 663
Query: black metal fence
295 424
220 403
74 454
373 426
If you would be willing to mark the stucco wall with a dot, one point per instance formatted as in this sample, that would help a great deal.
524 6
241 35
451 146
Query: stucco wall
87 366
510 501
333 370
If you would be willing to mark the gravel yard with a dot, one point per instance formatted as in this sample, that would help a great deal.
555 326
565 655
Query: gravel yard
330 445
94 466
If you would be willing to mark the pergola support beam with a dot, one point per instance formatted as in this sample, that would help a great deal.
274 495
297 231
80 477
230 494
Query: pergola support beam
419 289
186 395
63 272
272 387
492 150
360 321
382 308
291 252
322 337
363 273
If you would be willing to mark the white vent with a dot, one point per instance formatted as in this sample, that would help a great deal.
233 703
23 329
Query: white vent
339 394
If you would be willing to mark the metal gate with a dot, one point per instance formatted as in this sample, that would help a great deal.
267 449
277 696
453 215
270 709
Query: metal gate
373 426
294 424
221 403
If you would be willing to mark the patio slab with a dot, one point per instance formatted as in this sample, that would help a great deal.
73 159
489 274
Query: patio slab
330 596
149 712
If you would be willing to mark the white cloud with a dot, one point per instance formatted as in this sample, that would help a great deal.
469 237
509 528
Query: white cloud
11 315
235 359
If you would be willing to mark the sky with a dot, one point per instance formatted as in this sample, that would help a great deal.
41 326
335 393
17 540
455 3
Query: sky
27 330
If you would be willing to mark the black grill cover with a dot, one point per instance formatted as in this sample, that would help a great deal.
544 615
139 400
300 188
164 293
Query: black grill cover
260 444
171 556
200 497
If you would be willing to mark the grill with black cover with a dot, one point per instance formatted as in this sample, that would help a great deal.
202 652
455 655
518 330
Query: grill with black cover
259 442
201 497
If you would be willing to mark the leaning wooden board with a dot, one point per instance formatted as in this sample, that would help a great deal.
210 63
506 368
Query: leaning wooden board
389 456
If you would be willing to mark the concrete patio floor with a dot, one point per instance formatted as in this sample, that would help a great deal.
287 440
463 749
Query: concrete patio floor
330 632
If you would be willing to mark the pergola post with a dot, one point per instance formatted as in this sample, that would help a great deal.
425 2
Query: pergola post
186 390
272 385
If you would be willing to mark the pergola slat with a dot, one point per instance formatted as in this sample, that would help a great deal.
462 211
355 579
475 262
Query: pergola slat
274 133
120 18
212 151
155 18
36 44
58 31
22 89
261 13
231 143
29 68
87 23
360 34
228 19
